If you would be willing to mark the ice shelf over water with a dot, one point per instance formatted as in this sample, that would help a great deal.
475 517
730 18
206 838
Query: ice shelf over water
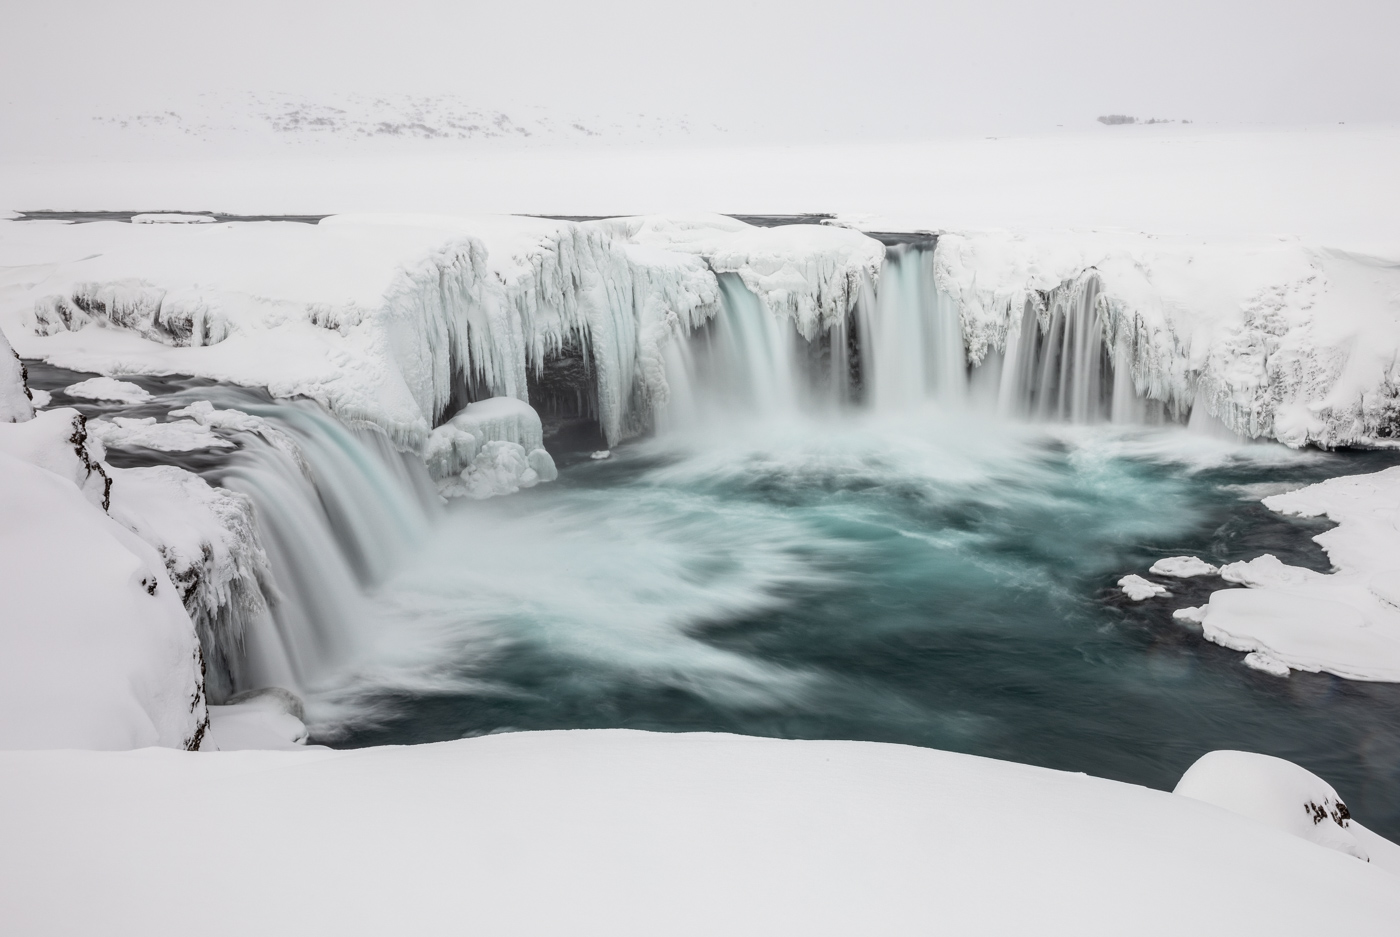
1346 622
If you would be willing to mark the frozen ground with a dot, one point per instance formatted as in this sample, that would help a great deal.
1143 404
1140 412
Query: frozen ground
634 833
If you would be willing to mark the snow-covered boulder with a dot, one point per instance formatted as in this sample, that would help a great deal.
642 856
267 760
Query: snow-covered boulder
1139 589
57 441
1183 567
108 388
96 650
16 402
1277 792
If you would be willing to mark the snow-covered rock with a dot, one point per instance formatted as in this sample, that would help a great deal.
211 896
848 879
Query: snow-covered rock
16 401
500 468
1183 567
209 542
57 441
1139 589
269 719
96 650
106 388
633 833
1274 791
1345 622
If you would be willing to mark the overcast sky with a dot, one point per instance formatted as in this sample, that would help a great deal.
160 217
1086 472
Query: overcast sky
877 68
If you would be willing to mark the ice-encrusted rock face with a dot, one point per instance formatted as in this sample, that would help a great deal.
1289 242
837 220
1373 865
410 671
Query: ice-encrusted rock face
16 403
1273 791
208 540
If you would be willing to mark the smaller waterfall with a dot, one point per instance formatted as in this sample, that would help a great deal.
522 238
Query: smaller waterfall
333 523
915 348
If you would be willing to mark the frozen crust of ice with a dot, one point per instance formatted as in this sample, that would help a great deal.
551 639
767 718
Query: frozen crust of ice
637 833
1183 567
1343 622
1139 589
171 217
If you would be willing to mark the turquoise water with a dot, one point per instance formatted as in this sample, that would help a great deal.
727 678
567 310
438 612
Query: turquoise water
935 582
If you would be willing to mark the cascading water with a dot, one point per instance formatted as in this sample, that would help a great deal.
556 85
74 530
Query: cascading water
335 515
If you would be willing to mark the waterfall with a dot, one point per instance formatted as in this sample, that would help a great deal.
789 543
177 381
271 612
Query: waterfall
335 514
901 349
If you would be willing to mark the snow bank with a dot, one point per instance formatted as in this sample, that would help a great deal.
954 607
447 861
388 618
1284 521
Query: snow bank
16 401
1346 622
96 650
623 832
1276 792
57 441
1278 338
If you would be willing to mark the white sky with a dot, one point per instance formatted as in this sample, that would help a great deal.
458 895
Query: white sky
785 70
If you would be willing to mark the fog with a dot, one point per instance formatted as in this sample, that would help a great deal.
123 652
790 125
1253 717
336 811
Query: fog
785 71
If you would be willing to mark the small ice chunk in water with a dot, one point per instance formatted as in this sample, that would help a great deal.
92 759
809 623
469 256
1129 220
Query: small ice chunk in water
1183 567
42 398
1137 588
1261 661
106 388
601 454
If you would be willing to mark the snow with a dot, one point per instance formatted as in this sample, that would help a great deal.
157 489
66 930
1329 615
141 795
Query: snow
16 401
41 398
491 447
1258 660
1277 792
1138 589
57 441
171 217
106 388
269 719
96 650
1344 622
1183 567
175 436
624 832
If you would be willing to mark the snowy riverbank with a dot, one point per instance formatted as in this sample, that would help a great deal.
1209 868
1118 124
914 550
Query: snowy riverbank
633 833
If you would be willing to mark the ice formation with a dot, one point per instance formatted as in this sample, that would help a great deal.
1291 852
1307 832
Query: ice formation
16 400
491 447
57 441
1139 589
1183 567
1345 622
174 436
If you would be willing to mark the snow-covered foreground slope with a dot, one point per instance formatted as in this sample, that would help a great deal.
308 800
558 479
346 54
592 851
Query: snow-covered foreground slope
618 832
1346 622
